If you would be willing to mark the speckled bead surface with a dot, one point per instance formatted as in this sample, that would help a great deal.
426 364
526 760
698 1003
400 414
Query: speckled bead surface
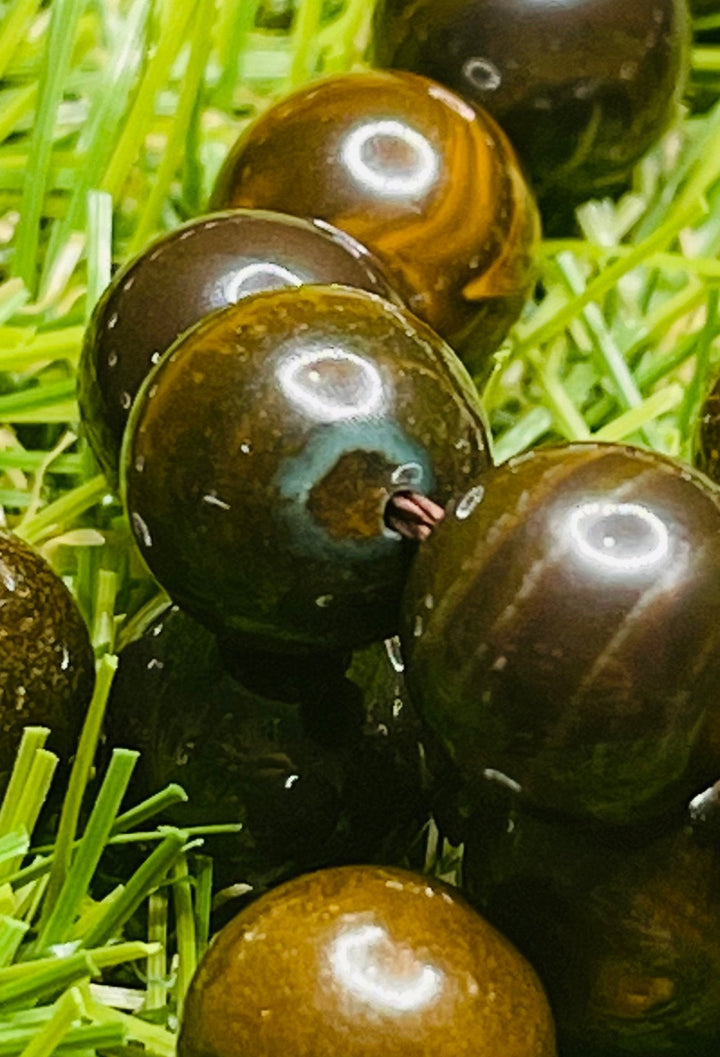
562 628
185 275
582 87
263 449
47 668
415 174
364 962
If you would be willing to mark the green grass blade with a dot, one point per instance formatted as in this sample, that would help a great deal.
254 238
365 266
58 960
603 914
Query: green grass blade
77 879
61 35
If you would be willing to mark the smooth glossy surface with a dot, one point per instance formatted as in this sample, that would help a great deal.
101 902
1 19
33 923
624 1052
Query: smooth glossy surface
582 87
431 187
622 926
47 668
363 962
263 449
182 277
319 768
562 628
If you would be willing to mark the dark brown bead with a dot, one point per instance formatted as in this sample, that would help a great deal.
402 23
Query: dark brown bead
319 768
409 169
185 275
47 667
582 87
562 628
622 926
364 962
263 449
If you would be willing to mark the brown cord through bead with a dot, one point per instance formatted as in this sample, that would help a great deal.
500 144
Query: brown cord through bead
413 515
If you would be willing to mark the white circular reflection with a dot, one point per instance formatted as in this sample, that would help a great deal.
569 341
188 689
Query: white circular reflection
256 278
357 959
622 536
331 384
390 159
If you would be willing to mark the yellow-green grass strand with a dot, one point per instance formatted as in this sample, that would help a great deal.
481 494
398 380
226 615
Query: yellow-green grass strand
695 391
36 353
686 208
658 322
41 866
64 15
65 510
150 807
145 879
203 877
31 799
102 634
79 1040
304 42
12 933
77 782
653 370
109 101
176 16
14 26
85 860
92 912
35 397
12 499
624 426
51 976
33 739
704 22
66 441
185 937
30 461
609 355
345 40
704 267
174 152
237 18
148 613
13 295
156 994
59 413
706 57
155 1040
99 246
14 844
46 1040
700 137
107 957
529 428
568 420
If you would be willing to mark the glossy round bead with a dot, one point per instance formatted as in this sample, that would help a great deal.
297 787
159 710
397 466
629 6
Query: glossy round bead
319 768
430 186
47 667
622 927
363 962
562 628
582 87
262 452
182 277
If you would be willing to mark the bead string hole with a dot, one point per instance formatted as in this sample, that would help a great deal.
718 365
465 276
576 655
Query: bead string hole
412 515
